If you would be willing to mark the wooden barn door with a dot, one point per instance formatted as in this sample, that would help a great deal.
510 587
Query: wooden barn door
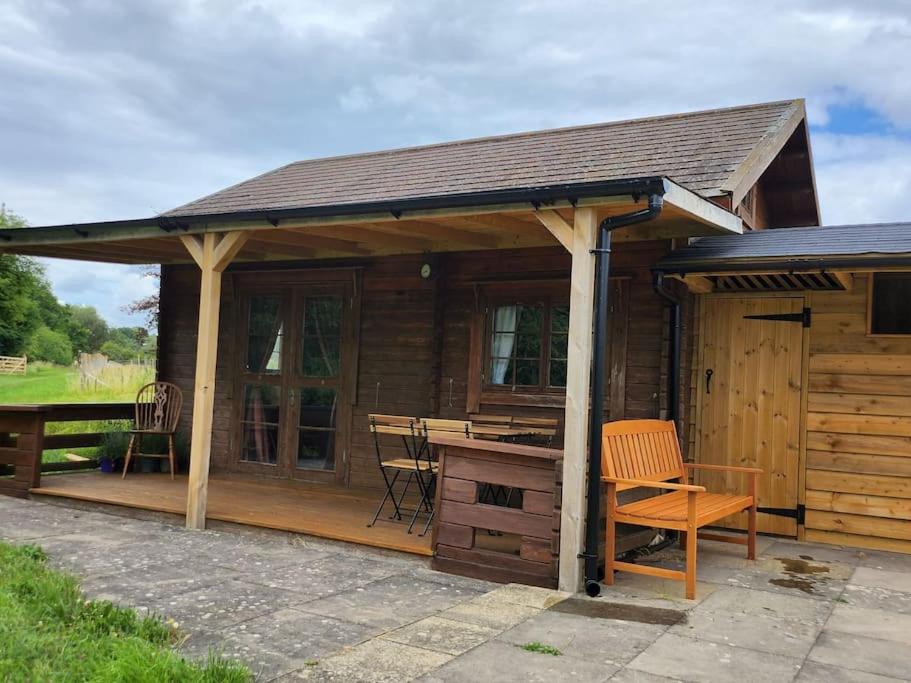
749 401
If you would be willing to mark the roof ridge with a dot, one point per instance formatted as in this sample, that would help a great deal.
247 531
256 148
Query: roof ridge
541 131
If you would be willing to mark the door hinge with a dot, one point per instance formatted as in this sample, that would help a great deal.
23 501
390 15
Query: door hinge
799 513
804 317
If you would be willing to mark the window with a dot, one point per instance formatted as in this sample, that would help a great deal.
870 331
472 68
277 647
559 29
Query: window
527 344
889 310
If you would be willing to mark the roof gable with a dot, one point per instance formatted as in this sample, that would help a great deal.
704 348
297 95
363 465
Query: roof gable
702 151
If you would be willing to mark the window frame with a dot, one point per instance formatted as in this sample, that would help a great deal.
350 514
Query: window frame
547 301
871 286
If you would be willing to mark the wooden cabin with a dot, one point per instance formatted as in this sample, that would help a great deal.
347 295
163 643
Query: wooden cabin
445 281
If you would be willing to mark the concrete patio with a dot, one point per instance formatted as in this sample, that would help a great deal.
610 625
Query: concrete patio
296 608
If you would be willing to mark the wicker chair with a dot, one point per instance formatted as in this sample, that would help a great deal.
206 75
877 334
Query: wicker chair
157 412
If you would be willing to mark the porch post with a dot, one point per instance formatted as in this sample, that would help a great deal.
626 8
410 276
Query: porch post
578 390
212 253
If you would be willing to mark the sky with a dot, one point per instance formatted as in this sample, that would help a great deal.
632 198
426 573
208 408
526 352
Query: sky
114 109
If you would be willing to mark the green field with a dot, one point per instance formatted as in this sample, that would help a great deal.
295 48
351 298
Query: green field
50 632
45 383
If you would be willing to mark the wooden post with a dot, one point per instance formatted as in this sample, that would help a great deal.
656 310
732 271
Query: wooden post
212 253
578 391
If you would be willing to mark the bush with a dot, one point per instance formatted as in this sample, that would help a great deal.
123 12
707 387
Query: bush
114 443
118 351
47 344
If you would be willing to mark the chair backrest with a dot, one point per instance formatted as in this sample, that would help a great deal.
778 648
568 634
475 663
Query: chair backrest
158 407
542 426
641 449
401 425
433 426
490 427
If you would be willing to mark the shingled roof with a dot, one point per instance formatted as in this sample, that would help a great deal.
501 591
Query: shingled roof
794 248
703 151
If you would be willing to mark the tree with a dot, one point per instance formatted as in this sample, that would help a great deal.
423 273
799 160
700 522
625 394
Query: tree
26 299
50 345
149 305
86 329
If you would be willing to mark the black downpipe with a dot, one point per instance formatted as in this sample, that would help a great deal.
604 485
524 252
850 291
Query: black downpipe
673 351
602 256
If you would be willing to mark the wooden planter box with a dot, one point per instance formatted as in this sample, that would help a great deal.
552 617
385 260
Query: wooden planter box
467 532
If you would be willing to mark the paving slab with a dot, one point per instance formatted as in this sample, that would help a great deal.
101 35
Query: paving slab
222 604
813 672
876 598
496 615
761 603
877 559
872 623
859 653
610 642
528 596
697 660
501 661
153 585
790 637
325 576
442 635
626 675
892 580
279 642
390 602
813 552
375 661
820 580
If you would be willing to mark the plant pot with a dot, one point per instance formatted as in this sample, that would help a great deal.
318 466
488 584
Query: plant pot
148 465
106 465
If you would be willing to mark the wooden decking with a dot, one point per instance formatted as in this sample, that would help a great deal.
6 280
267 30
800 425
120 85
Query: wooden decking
328 512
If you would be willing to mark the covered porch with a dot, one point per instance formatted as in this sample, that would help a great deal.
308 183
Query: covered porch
415 286
332 512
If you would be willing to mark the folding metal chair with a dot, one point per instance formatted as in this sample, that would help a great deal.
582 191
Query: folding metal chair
415 467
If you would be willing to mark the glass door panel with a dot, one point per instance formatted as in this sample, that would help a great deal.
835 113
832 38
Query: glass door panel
316 428
263 409
318 372
261 423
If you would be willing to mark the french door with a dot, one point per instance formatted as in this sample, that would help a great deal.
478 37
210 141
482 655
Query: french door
294 403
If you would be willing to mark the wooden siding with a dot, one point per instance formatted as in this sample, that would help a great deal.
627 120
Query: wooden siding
414 340
858 441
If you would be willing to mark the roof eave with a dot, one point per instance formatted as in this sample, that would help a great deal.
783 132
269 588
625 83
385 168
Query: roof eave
700 209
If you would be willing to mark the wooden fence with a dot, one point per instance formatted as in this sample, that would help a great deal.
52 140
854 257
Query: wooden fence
13 365
22 440
473 537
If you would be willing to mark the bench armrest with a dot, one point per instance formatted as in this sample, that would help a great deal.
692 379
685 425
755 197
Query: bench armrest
726 468
654 484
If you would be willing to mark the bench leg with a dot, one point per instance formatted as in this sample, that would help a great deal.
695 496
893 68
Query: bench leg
691 545
610 536
751 533
691 565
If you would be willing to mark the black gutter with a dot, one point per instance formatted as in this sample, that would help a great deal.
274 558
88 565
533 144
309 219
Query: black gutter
534 196
599 367
790 265
673 350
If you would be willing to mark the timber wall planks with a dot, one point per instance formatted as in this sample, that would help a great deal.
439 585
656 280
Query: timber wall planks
858 437
415 343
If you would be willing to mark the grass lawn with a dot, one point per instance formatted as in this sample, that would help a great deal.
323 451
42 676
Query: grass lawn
46 383
49 632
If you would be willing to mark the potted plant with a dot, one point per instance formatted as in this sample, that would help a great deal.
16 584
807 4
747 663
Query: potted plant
112 448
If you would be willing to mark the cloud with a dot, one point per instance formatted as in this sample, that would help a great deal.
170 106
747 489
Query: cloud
123 109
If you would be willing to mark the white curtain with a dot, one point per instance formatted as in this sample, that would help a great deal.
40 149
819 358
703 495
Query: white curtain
504 325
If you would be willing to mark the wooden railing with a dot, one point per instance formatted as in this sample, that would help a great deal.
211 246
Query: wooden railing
474 525
13 365
22 439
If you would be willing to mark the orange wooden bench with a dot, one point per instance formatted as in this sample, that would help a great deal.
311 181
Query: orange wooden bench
646 453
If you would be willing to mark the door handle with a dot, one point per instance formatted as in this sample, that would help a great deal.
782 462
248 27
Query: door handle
291 397
708 380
